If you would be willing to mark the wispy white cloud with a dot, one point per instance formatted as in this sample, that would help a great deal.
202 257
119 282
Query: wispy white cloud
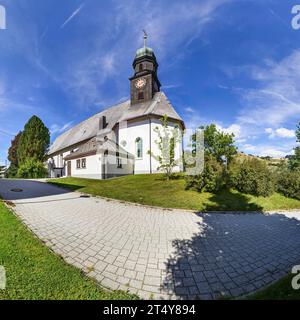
6 133
275 100
232 129
269 107
280 132
55 128
189 110
85 78
72 16
169 26
170 86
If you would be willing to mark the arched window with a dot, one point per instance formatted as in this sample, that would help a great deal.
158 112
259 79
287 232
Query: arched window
141 95
141 67
139 148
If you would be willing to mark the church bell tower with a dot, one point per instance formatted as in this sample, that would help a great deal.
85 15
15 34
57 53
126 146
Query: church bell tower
144 83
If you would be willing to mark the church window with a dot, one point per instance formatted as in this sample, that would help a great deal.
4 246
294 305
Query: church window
83 163
141 95
78 164
139 147
141 67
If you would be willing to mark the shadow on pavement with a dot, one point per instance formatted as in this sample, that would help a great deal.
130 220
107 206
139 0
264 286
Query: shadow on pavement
232 255
14 189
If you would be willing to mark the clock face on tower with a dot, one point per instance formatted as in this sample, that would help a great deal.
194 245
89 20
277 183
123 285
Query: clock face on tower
140 83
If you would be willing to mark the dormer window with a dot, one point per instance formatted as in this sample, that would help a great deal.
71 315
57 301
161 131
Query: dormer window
102 123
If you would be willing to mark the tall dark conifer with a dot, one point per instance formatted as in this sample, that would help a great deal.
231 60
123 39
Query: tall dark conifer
34 141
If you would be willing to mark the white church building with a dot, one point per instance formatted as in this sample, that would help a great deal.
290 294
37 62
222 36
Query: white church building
122 139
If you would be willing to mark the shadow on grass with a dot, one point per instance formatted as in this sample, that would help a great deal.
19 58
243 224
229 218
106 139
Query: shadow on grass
161 177
67 186
229 200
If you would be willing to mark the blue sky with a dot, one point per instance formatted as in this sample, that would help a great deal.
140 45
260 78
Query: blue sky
232 62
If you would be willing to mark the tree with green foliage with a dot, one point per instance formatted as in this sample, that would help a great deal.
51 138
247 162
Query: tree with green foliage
32 169
34 141
294 160
288 183
13 156
218 144
12 151
252 176
298 132
219 149
212 179
167 141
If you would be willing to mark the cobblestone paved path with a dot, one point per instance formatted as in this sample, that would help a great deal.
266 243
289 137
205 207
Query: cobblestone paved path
159 253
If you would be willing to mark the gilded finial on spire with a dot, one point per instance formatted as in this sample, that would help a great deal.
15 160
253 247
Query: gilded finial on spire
145 38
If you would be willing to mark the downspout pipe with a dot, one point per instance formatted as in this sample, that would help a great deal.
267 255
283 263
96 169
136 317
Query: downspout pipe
150 143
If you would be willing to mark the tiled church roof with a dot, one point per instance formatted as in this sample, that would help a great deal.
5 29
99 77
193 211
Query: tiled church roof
96 146
91 127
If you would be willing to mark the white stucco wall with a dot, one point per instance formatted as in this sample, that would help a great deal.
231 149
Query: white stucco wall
92 170
111 166
141 129
127 132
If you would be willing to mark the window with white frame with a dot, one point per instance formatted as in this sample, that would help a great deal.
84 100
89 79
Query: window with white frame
81 163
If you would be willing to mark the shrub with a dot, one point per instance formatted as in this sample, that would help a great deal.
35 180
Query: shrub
11 172
32 169
252 176
212 179
288 183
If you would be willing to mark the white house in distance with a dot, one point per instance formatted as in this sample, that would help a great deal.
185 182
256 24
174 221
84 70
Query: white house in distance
119 140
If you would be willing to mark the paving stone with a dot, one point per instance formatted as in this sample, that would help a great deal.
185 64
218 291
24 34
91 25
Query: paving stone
130 274
123 280
130 265
153 281
157 254
187 282
152 272
111 268
136 284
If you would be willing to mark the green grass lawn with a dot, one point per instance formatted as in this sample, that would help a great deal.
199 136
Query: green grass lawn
34 272
281 290
153 190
